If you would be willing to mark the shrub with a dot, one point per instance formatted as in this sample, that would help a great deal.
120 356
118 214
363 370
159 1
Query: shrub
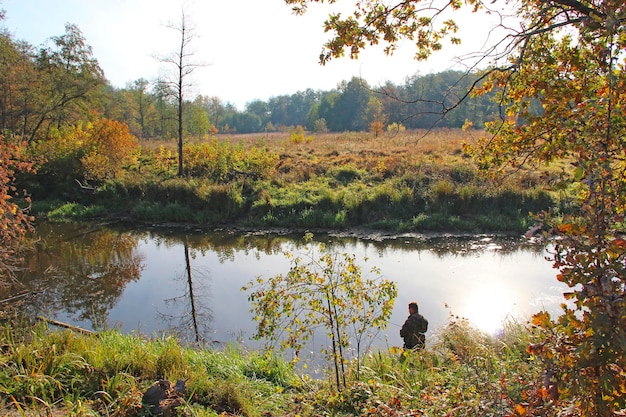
297 135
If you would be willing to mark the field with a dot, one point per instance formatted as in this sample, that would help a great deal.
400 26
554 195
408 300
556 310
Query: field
406 182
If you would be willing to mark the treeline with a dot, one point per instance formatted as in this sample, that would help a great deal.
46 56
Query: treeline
423 101
61 83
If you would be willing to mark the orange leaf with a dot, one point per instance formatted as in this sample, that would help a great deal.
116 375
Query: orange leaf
541 319
566 228
621 243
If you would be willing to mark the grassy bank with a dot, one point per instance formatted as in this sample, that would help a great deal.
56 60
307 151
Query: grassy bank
462 372
400 183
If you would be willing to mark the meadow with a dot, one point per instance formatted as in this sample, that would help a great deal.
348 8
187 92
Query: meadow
410 181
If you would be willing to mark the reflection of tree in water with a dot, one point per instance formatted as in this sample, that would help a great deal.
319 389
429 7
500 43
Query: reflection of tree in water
440 245
196 316
225 244
82 272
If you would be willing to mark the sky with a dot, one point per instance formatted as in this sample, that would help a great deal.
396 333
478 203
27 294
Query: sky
249 49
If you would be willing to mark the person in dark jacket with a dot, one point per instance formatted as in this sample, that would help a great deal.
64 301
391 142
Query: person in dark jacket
414 329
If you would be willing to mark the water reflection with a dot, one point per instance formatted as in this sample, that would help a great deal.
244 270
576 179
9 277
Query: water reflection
80 272
188 282
195 314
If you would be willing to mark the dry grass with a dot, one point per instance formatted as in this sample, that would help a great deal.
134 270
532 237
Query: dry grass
390 154
416 142
413 180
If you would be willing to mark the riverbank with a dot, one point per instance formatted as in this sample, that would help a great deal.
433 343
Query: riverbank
406 183
462 372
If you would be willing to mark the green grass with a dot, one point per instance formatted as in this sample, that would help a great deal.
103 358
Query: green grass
72 210
462 372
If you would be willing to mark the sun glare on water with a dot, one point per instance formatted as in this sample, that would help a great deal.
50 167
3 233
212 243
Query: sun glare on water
487 307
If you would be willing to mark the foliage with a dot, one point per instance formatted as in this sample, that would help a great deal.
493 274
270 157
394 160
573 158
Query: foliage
85 151
109 147
298 135
461 372
578 79
319 126
321 290
221 161
351 180
14 218
54 371
197 123
61 83
376 127
395 128
68 212
56 85
60 154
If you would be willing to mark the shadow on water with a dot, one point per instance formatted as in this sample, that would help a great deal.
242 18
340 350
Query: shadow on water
188 282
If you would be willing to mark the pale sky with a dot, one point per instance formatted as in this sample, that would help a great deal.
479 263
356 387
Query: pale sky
254 49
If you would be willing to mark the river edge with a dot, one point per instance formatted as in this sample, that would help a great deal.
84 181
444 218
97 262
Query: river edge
533 235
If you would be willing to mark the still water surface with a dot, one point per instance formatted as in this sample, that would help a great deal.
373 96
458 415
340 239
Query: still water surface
137 279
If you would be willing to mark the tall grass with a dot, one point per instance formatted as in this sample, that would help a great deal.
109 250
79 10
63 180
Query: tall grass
47 370
406 182
462 372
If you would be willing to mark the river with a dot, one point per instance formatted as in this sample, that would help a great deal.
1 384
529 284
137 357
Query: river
188 282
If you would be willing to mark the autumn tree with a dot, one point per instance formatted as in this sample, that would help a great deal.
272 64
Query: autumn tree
166 109
326 290
92 151
374 115
215 109
143 100
561 82
350 107
59 83
134 105
197 123
578 78
18 83
109 147
182 61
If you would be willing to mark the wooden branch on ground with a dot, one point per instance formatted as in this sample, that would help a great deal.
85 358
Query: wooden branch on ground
66 325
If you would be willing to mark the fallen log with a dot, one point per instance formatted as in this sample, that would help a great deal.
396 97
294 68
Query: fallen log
66 325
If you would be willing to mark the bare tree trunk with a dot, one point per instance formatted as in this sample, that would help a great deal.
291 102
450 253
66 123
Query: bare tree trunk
181 60
181 66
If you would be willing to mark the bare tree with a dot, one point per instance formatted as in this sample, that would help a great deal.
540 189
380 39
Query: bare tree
182 61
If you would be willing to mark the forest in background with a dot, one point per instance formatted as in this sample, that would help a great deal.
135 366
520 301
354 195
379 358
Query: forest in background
60 83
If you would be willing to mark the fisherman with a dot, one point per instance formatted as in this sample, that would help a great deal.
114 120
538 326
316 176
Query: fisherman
414 328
